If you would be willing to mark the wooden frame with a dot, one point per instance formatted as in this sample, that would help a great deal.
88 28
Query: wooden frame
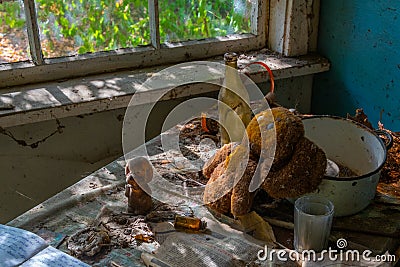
33 32
40 70
293 26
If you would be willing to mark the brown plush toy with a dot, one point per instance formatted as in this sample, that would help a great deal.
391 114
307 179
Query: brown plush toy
277 124
237 199
298 165
139 173
301 175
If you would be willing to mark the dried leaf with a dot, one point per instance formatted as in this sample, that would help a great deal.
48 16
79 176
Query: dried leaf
260 229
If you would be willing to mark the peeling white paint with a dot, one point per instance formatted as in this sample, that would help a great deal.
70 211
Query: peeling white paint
35 103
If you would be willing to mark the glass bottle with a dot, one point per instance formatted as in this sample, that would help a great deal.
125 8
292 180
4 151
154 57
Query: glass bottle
190 223
234 94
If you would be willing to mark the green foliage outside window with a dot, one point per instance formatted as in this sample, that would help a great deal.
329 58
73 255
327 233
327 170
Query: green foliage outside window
81 26
10 16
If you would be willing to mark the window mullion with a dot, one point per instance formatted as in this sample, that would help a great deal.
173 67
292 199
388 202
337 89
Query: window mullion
259 14
154 23
33 32
254 17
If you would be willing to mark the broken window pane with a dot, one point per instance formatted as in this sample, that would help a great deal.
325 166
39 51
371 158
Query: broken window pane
183 20
82 26
13 39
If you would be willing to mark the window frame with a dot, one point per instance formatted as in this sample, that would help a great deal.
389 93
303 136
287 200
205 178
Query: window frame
41 69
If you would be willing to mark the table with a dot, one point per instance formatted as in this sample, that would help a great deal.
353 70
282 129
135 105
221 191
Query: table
377 228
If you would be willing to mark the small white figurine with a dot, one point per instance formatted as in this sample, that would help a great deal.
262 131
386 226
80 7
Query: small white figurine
139 173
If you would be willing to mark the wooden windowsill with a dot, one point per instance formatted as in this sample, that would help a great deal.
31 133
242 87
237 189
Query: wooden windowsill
58 99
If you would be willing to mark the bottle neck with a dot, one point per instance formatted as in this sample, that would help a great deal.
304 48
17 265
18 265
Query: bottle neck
232 64
231 72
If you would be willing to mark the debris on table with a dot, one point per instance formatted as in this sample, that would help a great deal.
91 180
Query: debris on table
183 167
360 117
388 188
88 242
111 231
389 183
220 245
391 170
255 225
164 212
129 231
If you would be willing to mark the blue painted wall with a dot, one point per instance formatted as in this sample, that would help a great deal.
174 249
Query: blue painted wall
361 38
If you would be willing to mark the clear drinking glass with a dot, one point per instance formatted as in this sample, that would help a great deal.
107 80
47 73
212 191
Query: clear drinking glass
312 223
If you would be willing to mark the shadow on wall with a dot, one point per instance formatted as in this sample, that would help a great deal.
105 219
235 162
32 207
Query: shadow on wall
362 41
30 175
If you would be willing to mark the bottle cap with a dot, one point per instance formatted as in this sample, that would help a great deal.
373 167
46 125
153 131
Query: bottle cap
230 56
203 225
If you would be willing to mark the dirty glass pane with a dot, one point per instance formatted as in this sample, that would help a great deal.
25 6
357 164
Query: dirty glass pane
82 26
13 39
182 20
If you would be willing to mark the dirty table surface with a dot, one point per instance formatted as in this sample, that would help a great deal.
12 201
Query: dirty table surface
377 228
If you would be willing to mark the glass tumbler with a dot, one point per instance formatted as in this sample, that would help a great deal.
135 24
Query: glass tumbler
312 223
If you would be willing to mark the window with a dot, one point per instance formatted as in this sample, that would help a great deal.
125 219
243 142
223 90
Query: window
13 39
80 37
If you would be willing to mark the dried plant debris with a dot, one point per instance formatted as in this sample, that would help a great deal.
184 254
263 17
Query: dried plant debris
164 212
128 231
185 179
114 231
389 182
196 146
360 117
88 241
121 230
197 129
391 170
345 171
